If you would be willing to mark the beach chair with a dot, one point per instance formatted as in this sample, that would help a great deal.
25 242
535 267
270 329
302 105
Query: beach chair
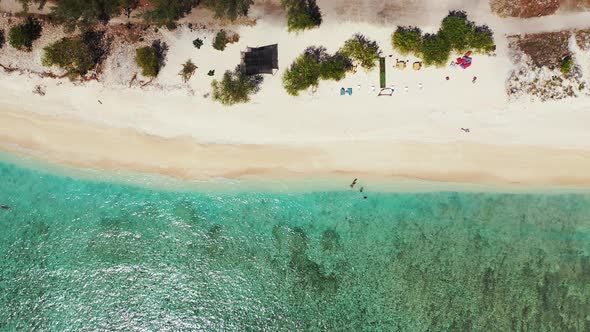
342 91
349 91
417 65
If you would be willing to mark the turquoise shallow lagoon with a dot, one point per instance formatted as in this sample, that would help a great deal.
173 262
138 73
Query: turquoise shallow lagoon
79 255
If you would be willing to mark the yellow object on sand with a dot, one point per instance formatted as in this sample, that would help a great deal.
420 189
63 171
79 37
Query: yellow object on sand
400 65
417 65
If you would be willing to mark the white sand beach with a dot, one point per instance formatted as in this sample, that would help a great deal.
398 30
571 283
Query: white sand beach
170 128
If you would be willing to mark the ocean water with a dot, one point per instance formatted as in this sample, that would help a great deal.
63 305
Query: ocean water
79 255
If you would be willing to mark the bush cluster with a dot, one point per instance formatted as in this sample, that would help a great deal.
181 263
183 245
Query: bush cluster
314 64
567 64
77 55
361 50
456 34
150 59
302 14
317 64
235 87
231 9
23 35
222 38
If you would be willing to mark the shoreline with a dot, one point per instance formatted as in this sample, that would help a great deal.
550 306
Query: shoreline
410 166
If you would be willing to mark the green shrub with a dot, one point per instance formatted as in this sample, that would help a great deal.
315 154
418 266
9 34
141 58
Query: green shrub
304 72
169 10
231 9
198 43
23 35
457 34
361 50
235 87
302 14
435 50
84 13
311 66
188 70
456 29
150 59
567 63
77 55
334 67
220 41
407 40
481 39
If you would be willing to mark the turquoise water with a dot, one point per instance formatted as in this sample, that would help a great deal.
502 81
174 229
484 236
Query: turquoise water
78 255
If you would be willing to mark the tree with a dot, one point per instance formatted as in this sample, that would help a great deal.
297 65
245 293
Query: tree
220 41
235 87
362 50
407 40
304 72
77 55
166 11
23 35
302 14
481 39
435 49
151 58
231 9
188 70
456 29
335 67
85 13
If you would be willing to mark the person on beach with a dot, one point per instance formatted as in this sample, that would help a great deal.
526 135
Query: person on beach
474 79
353 183
447 78
420 86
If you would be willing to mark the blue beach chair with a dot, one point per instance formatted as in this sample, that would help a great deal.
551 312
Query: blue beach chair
342 91
349 91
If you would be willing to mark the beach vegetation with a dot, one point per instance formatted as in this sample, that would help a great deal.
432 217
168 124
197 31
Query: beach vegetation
211 72
22 36
481 39
436 50
335 67
235 87
311 66
27 3
222 38
567 64
2 38
150 59
84 13
128 6
169 10
456 29
303 73
302 14
198 43
220 41
456 34
407 40
361 50
188 70
77 55
230 9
